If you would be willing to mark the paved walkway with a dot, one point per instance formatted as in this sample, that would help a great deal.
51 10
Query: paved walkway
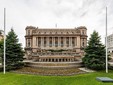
86 69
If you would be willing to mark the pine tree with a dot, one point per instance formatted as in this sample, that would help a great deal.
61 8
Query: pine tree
14 52
0 33
95 53
1 50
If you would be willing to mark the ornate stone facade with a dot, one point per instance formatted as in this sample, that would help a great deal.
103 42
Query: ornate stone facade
55 44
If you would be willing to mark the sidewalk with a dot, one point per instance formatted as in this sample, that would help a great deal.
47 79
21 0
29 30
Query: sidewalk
86 69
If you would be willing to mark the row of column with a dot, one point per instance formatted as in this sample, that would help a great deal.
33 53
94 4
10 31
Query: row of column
56 60
56 41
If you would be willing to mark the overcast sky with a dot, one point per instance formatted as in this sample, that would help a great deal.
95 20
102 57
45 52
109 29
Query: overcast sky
66 13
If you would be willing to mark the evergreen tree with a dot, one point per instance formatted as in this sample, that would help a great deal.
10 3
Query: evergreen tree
14 52
1 51
95 53
0 33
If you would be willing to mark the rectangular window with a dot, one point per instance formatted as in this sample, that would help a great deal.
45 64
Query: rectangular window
28 32
50 41
29 43
73 41
67 41
44 41
36 41
39 41
83 32
56 41
61 41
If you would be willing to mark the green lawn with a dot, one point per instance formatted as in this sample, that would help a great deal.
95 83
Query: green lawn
81 79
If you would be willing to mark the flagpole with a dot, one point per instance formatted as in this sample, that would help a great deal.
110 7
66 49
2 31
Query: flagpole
4 41
106 45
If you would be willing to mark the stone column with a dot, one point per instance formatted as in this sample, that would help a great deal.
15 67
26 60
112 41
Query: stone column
41 42
85 42
76 41
69 41
52 42
26 43
36 41
64 41
47 41
59 41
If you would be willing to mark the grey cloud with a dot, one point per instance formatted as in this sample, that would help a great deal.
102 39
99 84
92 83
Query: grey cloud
45 13
83 14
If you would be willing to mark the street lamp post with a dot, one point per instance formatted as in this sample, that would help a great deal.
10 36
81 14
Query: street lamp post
4 40
106 45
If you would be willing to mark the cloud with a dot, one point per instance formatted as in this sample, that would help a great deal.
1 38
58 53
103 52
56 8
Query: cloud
66 13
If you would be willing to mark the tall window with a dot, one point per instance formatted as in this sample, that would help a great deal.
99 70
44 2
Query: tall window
39 41
73 41
61 41
83 42
36 41
29 43
50 41
67 41
83 32
56 41
44 41
28 32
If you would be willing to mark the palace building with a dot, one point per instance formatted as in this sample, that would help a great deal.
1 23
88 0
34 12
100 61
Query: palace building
55 44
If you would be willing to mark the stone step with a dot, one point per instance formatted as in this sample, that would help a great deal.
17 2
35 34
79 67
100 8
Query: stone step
54 64
55 67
